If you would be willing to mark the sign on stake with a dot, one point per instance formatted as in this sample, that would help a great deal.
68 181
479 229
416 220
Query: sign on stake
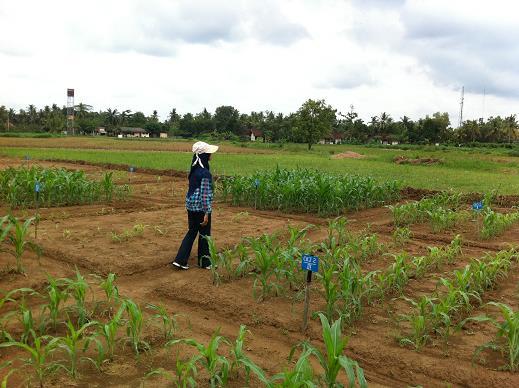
309 264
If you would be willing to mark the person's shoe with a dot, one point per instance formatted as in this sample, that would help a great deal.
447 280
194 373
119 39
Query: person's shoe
179 266
206 267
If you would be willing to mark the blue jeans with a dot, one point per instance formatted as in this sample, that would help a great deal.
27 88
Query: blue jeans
194 220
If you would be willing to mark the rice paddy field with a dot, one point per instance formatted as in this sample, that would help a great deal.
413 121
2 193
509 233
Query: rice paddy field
417 280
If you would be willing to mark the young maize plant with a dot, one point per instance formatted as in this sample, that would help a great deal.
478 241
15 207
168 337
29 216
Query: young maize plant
19 240
495 224
419 321
169 322
74 343
328 280
355 289
38 361
109 331
240 359
401 236
135 326
57 294
216 365
396 276
338 235
78 288
301 376
222 266
507 336
8 298
333 360
185 372
268 269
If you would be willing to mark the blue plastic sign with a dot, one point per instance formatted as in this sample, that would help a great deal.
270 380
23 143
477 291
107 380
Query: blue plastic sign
310 263
477 206
37 187
257 183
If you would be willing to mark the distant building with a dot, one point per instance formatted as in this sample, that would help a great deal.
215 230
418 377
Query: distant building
163 135
134 132
255 134
335 138
100 131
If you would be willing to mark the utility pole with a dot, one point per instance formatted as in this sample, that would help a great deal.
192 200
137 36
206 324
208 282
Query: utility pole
8 124
461 106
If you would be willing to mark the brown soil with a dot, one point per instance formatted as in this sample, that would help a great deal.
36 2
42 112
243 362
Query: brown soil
80 236
406 160
348 155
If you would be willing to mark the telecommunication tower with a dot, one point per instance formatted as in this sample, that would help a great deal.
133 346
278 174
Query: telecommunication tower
70 111
461 106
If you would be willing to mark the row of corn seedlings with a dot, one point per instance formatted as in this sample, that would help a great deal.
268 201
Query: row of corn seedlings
346 289
136 231
306 190
93 340
303 374
14 239
423 210
83 331
495 224
58 187
439 312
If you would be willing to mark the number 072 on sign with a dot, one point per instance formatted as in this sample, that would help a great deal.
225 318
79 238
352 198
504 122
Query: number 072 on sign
310 263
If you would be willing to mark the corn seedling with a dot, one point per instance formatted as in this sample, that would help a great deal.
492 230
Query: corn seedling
507 336
169 322
301 376
216 365
401 236
418 322
266 267
71 344
109 331
19 240
331 289
56 295
134 326
240 359
38 359
185 372
333 360
78 288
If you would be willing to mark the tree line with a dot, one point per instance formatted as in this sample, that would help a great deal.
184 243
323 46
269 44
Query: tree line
314 121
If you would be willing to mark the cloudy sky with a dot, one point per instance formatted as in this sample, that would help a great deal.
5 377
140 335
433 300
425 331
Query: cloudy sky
400 56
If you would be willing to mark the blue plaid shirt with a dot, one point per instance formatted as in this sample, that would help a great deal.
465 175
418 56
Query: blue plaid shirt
202 199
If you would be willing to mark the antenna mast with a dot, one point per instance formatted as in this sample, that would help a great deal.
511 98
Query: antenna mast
461 106
484 96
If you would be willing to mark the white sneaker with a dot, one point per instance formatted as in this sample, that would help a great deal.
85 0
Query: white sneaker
175 264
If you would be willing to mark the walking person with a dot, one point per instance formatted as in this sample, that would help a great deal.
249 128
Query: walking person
199 200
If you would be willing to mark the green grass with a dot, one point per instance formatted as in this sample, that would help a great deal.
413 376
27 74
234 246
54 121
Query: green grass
465 170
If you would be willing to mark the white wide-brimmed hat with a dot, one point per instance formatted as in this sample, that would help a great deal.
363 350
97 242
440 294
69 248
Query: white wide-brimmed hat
201 147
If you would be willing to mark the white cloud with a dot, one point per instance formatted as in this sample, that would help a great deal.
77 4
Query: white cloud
403 57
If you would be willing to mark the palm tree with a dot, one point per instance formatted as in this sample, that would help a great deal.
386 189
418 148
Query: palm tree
82 110
511 127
